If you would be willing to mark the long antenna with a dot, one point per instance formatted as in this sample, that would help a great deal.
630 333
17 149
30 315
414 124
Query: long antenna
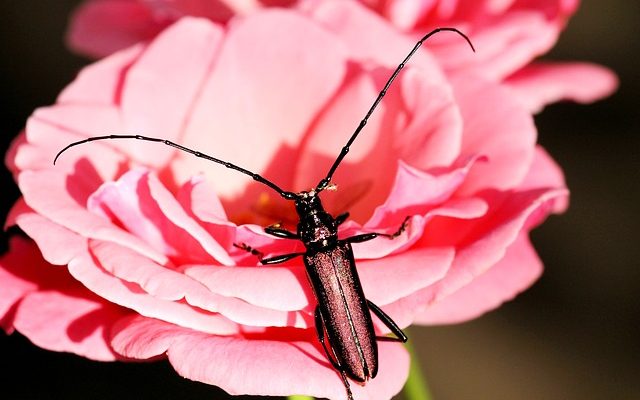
325 182
256 177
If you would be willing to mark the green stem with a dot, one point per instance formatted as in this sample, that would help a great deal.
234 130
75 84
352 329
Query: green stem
416 387
299 397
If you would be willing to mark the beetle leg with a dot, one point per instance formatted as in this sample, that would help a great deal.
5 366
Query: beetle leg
247 248
320 333
280 259
393 327
276 231
332 358
271 260
372 235
341 218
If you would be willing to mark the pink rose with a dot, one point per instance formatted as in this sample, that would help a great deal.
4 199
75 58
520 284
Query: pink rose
145 234
509 35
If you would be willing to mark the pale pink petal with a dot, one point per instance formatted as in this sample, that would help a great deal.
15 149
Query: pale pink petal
481 244
101 83
288 289
201 202
369 160
539 84
388 279
460 209
433 135
10 156
383 44
416 192
514 273
243 84
418 122
497 128
16 280
257 366
199 196
163 84
546 173
486 243
80 119
174 212
41 191
100 27
56 243
66 320
140 203
46 305
503 44
45 140
172 289
277 288
130 295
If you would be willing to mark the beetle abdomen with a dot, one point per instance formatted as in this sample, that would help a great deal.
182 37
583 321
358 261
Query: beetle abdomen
344 310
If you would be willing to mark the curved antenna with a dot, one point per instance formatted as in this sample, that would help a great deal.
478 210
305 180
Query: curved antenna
256 177
325 182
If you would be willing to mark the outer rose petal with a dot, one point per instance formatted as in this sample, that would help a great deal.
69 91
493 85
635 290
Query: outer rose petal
481 244
517 270
540 84
76 321
496 128
257 366
51 309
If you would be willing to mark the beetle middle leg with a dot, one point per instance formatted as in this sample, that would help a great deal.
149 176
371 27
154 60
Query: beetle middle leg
365 237
393 327
332 357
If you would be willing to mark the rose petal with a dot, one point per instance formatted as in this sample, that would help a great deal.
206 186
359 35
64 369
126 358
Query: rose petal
384 44
57 244
161 86
257 366
497 128
542 83
42 193
514 273
51 309
67 321
17 280
129 295
166 286
101 83
100 27
243 84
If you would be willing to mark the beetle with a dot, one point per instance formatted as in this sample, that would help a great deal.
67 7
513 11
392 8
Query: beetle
342 316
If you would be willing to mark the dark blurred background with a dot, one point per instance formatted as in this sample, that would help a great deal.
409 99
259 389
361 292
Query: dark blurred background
574 335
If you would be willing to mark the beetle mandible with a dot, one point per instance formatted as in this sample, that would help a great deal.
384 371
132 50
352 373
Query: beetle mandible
329 261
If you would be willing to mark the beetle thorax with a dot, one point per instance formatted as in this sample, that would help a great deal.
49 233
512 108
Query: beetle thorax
317 227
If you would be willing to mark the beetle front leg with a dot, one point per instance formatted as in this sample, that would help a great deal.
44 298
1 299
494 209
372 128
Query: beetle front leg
276 231
365 237
393 327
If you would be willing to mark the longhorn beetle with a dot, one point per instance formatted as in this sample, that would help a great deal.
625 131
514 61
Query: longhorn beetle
343 323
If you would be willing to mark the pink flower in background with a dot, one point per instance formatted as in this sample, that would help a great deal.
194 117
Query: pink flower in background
131 243
509 35
101 27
